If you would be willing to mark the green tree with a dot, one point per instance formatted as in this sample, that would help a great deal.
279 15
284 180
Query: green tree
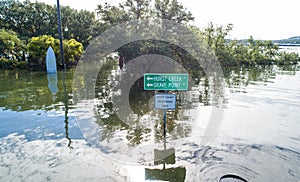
32 19
238 52
77 25
253 52
172 10
73 50
137 9
285 58
140 9
111 15
11 47
261 52
38 47
215 38
26 18
269 50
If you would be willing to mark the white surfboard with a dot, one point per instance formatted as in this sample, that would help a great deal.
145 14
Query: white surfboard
50 61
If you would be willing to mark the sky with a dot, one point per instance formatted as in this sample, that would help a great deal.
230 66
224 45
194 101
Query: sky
263 19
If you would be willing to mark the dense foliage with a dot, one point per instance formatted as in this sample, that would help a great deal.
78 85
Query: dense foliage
229 53
11 46
29 28
38 46
31 19
12 50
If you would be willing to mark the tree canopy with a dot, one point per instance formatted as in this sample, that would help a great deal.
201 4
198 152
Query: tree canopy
34 24
141 9
31 19
38 46
11 46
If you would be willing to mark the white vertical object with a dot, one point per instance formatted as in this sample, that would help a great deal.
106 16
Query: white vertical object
50 61
52 82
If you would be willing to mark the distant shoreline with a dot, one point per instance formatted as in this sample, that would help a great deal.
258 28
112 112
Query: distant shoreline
287 45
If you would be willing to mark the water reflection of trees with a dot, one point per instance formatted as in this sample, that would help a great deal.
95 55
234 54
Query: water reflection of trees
23 90
140 131
241 77
147 122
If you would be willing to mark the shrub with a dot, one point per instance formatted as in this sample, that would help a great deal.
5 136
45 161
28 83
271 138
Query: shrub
38 47
7 63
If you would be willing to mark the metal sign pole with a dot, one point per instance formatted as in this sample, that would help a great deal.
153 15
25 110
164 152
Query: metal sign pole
165 119
165 122
60 35
160 81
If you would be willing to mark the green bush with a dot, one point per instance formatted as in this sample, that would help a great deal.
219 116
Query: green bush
38 47
285 58
72 50
12 64
11 47
21 65
7 63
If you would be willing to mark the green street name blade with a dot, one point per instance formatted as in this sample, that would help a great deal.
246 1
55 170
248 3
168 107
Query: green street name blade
156 81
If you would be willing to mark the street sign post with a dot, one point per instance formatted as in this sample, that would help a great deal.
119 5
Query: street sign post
165 101
157 81
161 81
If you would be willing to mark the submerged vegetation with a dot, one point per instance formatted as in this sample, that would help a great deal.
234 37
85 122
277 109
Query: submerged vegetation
29 28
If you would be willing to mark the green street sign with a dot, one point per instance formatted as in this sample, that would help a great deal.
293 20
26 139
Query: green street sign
157 81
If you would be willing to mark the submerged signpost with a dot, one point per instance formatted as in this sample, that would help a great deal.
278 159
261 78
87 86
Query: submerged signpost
160 81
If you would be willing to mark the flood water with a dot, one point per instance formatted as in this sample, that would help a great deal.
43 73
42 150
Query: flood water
257 137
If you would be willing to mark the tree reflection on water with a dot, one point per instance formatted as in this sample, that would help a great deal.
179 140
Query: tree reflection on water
145 123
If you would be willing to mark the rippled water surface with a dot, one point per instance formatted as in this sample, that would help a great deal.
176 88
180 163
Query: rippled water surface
46 136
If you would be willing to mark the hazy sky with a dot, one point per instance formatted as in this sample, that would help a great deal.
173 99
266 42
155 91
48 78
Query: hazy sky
264 19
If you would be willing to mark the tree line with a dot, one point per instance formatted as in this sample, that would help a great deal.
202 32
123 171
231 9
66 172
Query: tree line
245 52
28 28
